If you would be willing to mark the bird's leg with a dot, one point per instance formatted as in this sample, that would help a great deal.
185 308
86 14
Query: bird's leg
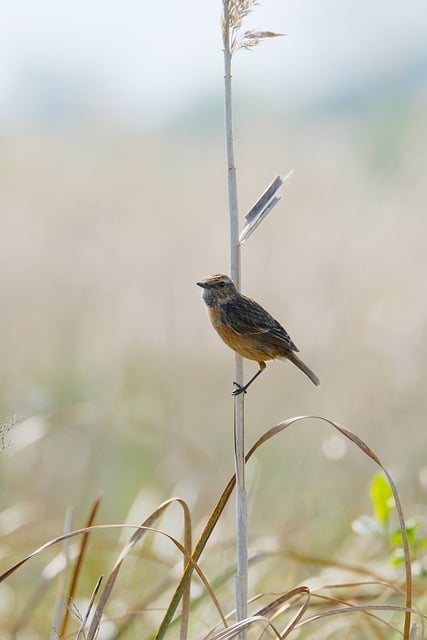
241 389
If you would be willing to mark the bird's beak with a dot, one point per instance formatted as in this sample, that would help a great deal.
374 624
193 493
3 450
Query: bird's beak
202 284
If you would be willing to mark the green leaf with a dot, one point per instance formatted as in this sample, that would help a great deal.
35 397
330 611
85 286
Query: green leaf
382 498
411 527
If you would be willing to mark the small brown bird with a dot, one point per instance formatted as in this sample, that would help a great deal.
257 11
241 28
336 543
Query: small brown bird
248 328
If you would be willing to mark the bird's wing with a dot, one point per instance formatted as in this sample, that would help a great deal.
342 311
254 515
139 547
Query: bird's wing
247 317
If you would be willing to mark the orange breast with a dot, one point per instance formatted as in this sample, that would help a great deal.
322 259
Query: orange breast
248 346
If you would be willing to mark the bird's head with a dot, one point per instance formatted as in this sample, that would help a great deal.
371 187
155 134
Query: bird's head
217 289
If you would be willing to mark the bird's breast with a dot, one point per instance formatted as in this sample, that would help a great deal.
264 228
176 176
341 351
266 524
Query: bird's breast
247 346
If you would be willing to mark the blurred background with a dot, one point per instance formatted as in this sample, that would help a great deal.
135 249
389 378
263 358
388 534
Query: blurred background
113 204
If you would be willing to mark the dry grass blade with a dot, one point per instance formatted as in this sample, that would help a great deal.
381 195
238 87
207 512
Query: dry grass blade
350 606
366 609
262 207
78 567
188 546
278 603
408 571
363 447
136 536
237 628
251 39
89 608
78 532
314 560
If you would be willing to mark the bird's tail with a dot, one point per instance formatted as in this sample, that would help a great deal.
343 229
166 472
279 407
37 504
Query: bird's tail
301 365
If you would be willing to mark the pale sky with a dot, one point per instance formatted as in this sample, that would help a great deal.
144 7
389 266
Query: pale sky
150 59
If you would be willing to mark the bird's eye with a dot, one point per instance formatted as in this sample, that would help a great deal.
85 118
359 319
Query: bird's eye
222 285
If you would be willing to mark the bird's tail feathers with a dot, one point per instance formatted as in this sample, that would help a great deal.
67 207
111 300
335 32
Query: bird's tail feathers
304 368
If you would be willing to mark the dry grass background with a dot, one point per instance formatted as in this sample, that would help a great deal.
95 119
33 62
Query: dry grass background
110 361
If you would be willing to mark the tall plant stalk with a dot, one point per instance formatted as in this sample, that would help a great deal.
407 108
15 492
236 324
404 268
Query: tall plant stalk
241 585
234 11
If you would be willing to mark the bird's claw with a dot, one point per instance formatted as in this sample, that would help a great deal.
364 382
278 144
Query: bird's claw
239 389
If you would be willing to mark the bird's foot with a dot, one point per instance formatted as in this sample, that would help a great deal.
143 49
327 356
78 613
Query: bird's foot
239 389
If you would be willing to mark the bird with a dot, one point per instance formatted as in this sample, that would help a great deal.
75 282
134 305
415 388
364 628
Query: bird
247 328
